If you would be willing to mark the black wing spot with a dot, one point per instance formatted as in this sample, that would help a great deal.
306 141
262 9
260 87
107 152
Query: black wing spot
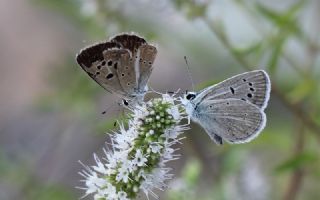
99 67
150 62
144 62
232 90
243 99
103 63
97 73
127 67
249 95
109 62
109 76
244 80
128 84
115 65
250 84
210 106
122 75
252 89
140 60
228 103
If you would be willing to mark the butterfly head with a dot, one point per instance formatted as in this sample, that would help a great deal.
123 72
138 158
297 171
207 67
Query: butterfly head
190 96
188 104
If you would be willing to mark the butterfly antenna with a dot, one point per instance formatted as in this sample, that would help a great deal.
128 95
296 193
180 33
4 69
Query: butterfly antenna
189 72
153 90
168 92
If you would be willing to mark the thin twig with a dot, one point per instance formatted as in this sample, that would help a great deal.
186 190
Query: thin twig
296 179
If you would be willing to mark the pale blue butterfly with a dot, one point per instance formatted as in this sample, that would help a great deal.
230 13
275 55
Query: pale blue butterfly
232 110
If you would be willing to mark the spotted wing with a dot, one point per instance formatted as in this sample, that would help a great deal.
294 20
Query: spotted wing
142 58
99 61
147 54
233 120
253 87
130 42
127 74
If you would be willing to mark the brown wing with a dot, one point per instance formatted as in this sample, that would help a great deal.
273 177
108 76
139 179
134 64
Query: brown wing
127 74
98 61
94 53
130 42
147 56
140 62
121 66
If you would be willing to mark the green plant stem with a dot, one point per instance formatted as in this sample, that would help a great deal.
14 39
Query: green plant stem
296 178
294 108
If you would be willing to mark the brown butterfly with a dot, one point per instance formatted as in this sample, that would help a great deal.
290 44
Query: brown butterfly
121 65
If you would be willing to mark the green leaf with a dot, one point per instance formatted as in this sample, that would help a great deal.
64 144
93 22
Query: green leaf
191 172
276 53
303 90
253 48
284 20
191 8
296 162
195 11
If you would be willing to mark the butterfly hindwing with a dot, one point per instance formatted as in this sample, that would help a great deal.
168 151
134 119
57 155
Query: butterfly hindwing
234 120
147 54
127 74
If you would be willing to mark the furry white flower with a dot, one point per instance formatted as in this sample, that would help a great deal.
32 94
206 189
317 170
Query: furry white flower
139 159
139 153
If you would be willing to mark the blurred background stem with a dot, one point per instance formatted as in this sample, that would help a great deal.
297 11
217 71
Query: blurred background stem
296 109
296 179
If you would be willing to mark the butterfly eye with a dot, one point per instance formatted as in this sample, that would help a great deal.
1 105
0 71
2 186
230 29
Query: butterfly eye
125 102
190 96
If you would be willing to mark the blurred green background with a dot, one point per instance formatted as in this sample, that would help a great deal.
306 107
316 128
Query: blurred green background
51 110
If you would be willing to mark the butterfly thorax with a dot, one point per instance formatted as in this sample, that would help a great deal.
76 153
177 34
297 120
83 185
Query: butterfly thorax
189 107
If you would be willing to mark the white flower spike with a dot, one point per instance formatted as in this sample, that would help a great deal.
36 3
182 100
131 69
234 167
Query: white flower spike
139 153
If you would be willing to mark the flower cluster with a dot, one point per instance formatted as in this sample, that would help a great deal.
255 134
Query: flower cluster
139 153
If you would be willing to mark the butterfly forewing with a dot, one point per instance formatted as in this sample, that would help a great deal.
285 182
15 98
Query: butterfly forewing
96 59
253 87
94 53
234 120
130 42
